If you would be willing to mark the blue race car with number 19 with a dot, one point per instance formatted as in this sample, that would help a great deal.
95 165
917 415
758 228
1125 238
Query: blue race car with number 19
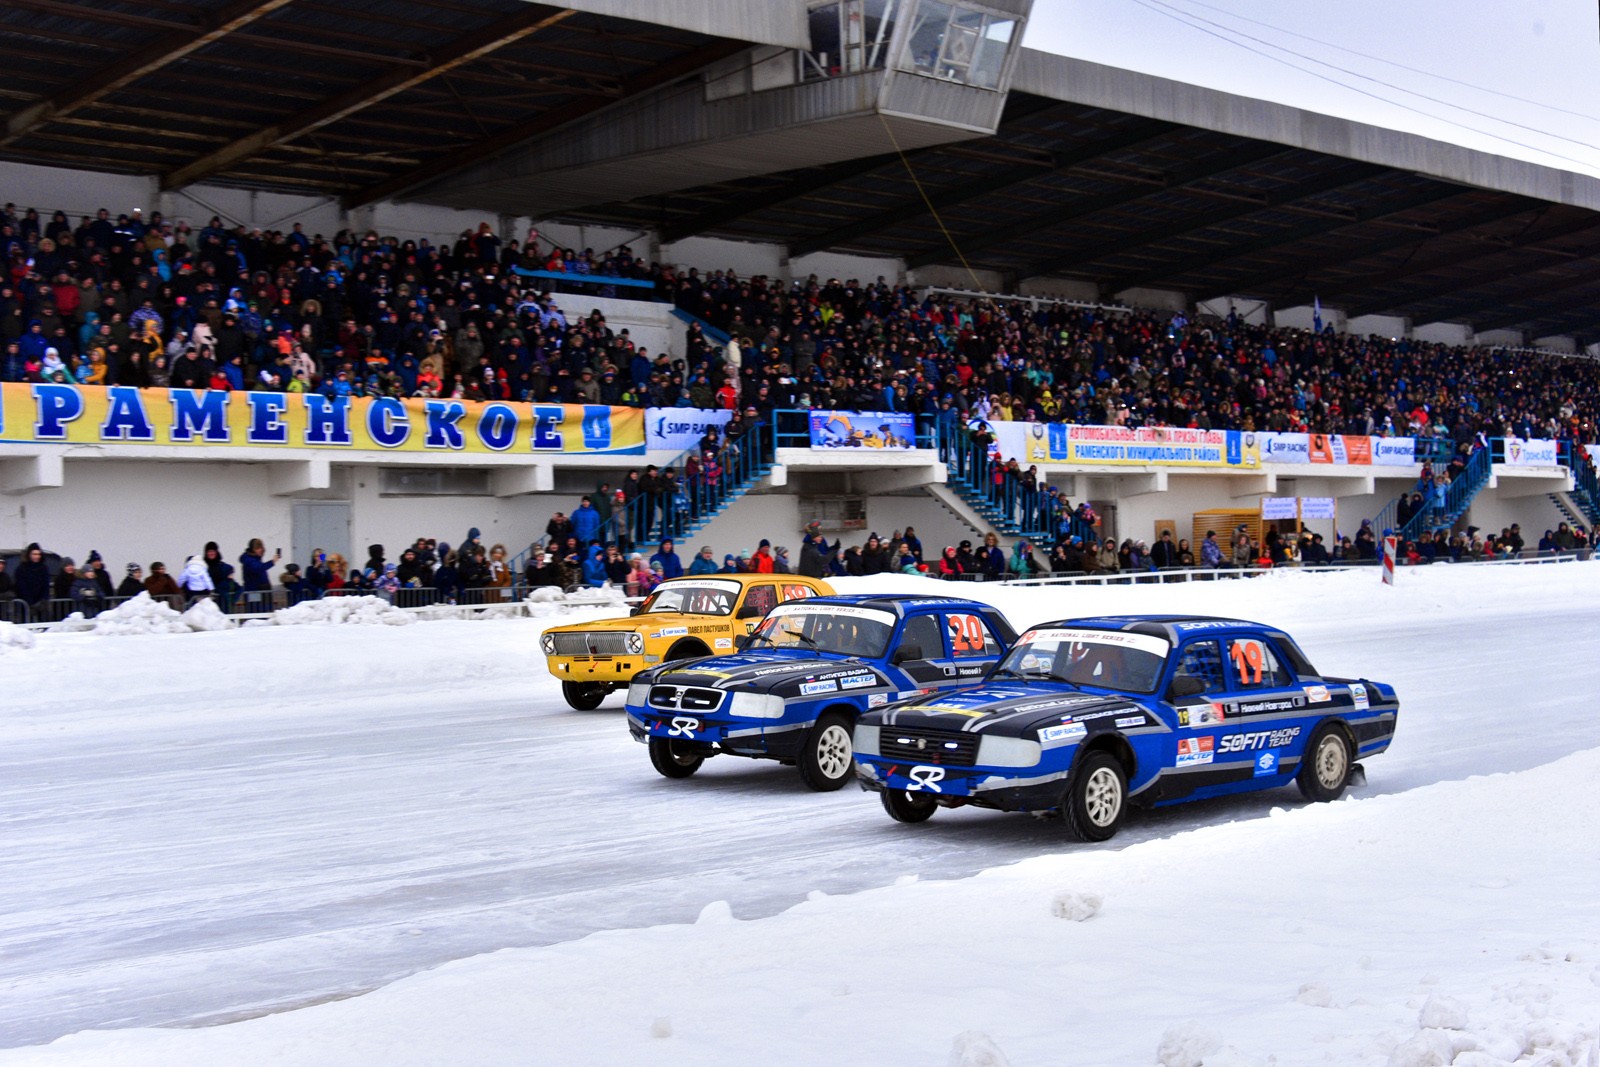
1088 716
794 691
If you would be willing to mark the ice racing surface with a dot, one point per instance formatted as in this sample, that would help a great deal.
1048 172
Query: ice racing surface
197 828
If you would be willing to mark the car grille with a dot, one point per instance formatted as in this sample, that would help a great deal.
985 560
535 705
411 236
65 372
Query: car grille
684 698
591 644
928 746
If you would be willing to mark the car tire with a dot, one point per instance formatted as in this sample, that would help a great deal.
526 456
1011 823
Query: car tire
827 756
584 696
908 807
672 760
1325 768
1097 799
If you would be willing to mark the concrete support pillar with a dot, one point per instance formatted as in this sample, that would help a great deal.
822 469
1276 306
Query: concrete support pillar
520 481
1255 485
27 474
293 477
1142 484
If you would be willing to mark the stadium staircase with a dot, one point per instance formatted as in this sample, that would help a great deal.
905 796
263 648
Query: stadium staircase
643 523
970 493
1584 497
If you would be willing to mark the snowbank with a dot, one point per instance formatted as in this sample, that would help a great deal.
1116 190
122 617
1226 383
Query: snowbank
142 616
360 610
14 637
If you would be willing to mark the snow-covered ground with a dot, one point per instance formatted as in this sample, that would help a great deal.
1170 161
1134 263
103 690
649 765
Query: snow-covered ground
206 826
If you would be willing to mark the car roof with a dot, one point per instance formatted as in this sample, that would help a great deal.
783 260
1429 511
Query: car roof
902 605
1171 627
745 579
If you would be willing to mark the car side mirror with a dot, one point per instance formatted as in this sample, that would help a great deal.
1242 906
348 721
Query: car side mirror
1187 686
750 611
907 652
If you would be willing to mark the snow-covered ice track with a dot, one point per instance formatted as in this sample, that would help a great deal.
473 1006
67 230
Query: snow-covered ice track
204 826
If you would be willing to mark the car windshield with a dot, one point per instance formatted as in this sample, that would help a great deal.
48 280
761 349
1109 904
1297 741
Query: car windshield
837 628
1106 659
702 596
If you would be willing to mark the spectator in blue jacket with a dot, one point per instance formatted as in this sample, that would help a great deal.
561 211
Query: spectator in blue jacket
704 563
594 567
586 522
671 565
256 568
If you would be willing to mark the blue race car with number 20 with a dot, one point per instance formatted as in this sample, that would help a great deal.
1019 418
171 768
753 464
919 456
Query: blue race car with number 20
1088 716
803 677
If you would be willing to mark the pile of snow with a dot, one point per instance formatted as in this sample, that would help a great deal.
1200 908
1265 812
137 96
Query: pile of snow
141 615
14 636
545 594
360 610
76 623
204 616
606 594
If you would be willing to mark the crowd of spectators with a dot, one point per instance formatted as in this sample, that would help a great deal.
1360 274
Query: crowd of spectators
149 301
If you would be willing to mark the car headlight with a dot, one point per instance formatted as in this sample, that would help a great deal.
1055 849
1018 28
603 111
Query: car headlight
638 694
1008 752
635 644
756 706
865 740
548 643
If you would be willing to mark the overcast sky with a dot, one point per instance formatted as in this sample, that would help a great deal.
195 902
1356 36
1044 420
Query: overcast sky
1516 77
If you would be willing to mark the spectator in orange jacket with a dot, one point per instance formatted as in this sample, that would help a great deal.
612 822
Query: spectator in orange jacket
761 562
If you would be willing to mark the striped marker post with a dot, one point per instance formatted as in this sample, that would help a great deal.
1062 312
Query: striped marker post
1391 545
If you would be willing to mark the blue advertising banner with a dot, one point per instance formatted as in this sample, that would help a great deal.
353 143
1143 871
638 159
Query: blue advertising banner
863 429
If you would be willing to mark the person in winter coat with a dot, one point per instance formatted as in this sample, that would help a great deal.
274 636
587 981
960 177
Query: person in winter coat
8 587
950 567
33 576
412 572
133 583
1109 559
160 583
761 562
256 568
730 564
195 581
813 563
1244 553
704 563
594 567
499 570
780 560
1210 551
671 565
61 588
85 593
586 522
446 579
992 558
617 568
874 560
95 567
375 560
1023 563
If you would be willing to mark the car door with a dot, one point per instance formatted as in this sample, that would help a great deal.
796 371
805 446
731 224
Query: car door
974 646
1198 715
758 600
934 668
1263 708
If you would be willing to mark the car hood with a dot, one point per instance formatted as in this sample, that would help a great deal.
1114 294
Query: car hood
1010 709
772 672
646 624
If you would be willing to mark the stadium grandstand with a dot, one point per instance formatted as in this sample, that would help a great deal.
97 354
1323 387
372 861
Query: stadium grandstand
334 276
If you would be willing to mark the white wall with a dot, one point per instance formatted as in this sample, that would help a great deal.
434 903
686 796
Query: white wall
1254 312
1511 338
648 323
1382 325
745 258
1061 289
1164 299
1303 317
1560 343
866 269
989 281
74 191
1443 333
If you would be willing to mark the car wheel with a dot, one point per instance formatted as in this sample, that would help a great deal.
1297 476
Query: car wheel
908 807
1326 766
1097 798
585 696
672 759
825 761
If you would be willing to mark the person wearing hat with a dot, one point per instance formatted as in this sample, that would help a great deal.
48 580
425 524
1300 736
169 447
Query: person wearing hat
95 568
132 583
704 563
62 588
762 562
671 564
813 560
949 566
730 564
295 584
85 591
780 560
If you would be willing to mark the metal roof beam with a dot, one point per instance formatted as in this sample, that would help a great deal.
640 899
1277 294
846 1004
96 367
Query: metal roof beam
1420 197
832 174
1210 167
159 53
1367 250
1524 242
1136 134
1277 198
1497 302
463 49
656 75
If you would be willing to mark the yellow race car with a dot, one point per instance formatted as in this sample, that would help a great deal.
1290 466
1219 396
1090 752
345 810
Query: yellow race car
683 618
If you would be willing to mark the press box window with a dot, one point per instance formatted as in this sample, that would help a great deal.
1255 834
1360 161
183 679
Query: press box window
957 43
847 37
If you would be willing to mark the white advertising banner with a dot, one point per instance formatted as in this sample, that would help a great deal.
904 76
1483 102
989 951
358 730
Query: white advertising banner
680 428
1531 453
1318 507
1285 447
1278 507
1394 451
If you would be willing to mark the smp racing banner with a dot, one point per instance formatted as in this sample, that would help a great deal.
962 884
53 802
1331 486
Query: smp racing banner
119 414
681 428
863 429
1167 446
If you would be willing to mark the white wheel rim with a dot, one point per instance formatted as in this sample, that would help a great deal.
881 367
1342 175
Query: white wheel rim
1330 763
833 751
1102 797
